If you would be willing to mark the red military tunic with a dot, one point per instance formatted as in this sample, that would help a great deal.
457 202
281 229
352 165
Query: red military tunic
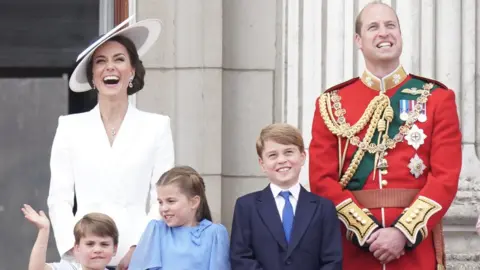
428 160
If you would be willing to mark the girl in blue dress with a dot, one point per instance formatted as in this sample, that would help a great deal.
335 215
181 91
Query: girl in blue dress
185 238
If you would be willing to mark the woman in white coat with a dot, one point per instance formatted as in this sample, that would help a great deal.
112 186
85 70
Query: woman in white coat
111 156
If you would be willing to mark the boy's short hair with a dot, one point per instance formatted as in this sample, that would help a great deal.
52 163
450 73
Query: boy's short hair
280 133
97 224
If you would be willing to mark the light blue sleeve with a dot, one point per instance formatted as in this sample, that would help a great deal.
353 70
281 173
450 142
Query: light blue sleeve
220 258
147 253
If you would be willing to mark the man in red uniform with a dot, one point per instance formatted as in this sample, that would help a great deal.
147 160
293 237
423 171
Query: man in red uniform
386 149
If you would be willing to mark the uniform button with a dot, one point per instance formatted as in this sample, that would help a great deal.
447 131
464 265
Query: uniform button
288 262
384 183
408 220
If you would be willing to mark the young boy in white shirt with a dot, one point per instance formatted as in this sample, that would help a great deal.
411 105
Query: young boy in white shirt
96 240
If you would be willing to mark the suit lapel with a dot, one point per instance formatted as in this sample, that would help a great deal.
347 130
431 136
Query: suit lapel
306 207
96 131
269 214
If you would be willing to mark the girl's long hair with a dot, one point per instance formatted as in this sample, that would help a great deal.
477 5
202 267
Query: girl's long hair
191 184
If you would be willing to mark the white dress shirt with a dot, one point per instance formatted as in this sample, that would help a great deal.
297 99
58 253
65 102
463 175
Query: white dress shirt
280 201
116 180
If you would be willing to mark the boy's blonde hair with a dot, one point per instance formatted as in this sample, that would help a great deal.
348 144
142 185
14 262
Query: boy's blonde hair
97 224
280 133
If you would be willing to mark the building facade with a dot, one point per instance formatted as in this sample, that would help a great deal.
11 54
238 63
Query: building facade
224 69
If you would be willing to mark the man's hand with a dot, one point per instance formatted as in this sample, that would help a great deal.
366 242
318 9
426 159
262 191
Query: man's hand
387 244
125 262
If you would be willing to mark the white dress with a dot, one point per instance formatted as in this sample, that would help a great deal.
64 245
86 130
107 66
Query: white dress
117 180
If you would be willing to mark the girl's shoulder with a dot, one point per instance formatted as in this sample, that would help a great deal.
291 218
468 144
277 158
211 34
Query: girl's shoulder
157 223
210 228
155 227
218 227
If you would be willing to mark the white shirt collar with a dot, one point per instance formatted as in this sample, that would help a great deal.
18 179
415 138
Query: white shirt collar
294 190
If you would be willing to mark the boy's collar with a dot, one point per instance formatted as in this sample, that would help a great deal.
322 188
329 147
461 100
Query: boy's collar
294 190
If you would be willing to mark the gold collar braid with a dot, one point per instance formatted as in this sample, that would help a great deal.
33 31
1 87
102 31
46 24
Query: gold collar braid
390 81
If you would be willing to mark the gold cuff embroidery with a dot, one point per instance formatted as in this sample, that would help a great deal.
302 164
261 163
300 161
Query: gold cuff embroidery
349 235
356 220
415 219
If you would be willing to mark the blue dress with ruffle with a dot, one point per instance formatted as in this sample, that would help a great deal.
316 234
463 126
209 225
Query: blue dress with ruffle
203 247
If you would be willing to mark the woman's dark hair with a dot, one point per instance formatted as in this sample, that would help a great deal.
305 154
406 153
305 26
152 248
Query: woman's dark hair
190 184
137 64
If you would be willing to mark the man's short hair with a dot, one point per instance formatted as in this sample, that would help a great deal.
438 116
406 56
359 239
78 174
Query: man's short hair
359 22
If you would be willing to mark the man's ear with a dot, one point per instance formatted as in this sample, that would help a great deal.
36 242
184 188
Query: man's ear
358 41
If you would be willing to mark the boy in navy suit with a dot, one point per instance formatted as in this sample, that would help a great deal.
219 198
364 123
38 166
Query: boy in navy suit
284 226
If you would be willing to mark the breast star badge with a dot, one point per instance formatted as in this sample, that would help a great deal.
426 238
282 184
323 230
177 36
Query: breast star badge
416 166
415 137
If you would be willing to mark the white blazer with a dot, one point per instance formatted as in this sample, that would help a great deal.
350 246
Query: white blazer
115 180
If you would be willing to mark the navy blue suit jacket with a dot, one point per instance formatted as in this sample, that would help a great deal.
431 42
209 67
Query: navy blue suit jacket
258 241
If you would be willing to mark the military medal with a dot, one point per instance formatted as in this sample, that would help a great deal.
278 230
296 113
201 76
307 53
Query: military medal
416 166
411 106
415 137
422 117
403 109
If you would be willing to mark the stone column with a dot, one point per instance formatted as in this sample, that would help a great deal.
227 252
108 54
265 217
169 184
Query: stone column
249 58
441 41
184 81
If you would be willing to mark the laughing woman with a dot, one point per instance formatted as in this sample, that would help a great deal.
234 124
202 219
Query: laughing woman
111 156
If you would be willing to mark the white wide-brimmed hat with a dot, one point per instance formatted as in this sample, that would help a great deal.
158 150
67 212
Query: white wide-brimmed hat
143 34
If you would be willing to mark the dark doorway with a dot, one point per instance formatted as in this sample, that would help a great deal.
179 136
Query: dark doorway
39 42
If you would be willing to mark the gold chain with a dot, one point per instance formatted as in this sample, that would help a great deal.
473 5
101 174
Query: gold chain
353 166
380 105
340 127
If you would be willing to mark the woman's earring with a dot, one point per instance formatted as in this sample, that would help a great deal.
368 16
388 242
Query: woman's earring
130 84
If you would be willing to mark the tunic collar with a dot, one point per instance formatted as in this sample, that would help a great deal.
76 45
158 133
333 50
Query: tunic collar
383 84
